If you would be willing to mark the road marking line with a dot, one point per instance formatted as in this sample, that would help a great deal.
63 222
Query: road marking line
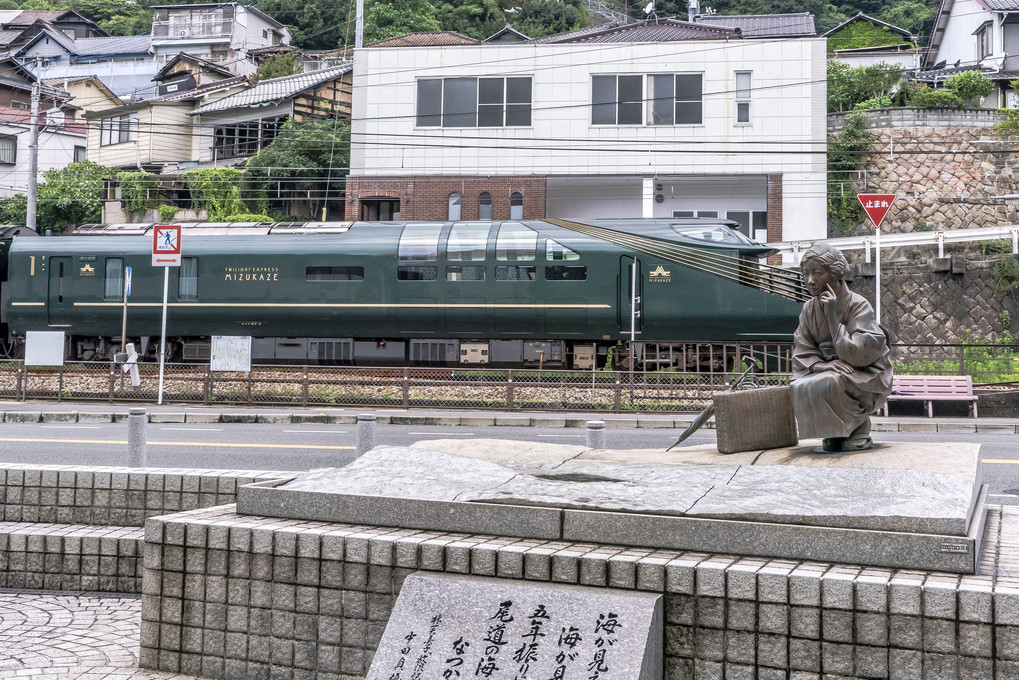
191 429
451 434
318 431
568 436
70 427
227 445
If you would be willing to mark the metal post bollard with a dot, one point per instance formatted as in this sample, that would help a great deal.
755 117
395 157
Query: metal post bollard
596 434
365 433
137 455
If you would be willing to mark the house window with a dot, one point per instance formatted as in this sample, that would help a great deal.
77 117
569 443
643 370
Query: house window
675 99
24 106
113 287
516 206
454 206
485 206
79 154
245 139
187 282
617 100
118 129
8 149
743 80
985 43
474 102
751 222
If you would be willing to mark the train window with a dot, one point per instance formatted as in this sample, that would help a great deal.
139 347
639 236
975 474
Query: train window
514 273
114 285
417 273
465 273
334 273
555 252
187 279
565 273
467 241
515 243
420 241
712 233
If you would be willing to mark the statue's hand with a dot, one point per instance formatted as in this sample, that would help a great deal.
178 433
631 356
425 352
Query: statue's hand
829 303
837 365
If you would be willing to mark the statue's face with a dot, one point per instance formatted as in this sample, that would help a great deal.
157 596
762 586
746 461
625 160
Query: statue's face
817 277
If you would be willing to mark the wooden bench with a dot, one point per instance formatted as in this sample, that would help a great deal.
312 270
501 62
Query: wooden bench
931 388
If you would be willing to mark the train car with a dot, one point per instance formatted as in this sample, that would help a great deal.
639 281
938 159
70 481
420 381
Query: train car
514 293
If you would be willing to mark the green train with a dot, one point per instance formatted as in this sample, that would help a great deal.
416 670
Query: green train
547 292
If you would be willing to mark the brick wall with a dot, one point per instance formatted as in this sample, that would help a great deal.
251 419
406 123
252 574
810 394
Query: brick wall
427 198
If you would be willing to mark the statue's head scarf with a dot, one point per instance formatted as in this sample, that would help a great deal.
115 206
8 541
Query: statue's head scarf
828 257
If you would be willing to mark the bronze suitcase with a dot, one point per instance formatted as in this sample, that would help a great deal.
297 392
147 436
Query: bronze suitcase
756 419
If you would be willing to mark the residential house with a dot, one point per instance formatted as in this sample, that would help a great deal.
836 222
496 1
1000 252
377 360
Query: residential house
154 135
223 33
88 93
883 43
18 26
122 63
235 127
61 142
656 119
186 72
976 35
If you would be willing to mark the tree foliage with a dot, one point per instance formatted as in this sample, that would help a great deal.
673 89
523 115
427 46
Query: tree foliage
844 157
970 85
390 18
475 18
538 18
310 156
848 86
276 66
217 190
863 34
71 195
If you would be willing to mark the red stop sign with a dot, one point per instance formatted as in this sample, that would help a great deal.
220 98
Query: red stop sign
876 206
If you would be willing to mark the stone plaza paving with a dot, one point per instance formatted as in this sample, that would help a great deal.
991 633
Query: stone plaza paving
46 634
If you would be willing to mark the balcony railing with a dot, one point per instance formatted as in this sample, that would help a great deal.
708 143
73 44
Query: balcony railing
183 30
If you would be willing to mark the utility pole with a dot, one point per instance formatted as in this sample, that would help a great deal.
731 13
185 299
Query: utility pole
33 159
359 25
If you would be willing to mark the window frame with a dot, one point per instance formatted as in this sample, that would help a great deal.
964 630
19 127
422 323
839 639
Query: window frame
985 40
474 102
742 97
124 127
12 158
649 107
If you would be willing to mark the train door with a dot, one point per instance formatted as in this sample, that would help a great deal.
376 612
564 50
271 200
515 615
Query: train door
59 300
630 317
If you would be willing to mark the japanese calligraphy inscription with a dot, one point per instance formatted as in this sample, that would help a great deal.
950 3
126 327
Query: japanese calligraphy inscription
449 627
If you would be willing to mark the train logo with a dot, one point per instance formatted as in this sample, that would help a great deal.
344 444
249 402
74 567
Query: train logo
87 270
660 275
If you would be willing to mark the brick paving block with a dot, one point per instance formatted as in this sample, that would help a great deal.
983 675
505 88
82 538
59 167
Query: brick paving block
773 618
538 563
871 662
939 635
837 587
836 625
708 670
939 596
741 579
594 568
836 659
680 609
740 615
804 655
805 622
871 588
710 612
904 594
566 566
805 586
905 632
1006 605
483 558
872 629
651 573
975 601
679 641
940 666
975 640
1007 641
773 581
735 671
772 651
622 570
709 644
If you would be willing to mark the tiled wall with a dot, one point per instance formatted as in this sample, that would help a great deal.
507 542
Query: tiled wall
229 596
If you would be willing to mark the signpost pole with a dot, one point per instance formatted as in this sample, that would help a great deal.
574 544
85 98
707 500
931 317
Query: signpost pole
162 337
877 274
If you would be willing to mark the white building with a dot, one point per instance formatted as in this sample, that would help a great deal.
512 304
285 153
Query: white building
657 119
61 142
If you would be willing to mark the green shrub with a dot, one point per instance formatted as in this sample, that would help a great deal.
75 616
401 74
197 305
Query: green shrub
136 189
881 102
166 213
970 85
1006 273
933 99
248 217
996 247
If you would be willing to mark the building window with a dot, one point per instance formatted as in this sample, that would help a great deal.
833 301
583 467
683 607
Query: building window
617 100
985 44
676 99
187 282
743 80
474 102
8 149
485 206
453 210
23 106
245 139
752 223
113 288
118 129
79 154
516 206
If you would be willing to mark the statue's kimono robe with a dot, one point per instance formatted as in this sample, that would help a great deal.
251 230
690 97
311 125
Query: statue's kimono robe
829 404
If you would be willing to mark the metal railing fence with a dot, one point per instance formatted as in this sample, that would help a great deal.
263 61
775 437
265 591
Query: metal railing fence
458 388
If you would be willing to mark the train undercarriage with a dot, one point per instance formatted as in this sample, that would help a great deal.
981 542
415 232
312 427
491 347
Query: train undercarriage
558 354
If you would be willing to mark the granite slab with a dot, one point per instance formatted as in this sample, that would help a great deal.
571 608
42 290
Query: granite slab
448 626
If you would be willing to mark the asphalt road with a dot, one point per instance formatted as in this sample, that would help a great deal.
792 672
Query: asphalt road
302 447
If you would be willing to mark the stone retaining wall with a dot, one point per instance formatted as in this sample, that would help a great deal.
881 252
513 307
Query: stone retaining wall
229 596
